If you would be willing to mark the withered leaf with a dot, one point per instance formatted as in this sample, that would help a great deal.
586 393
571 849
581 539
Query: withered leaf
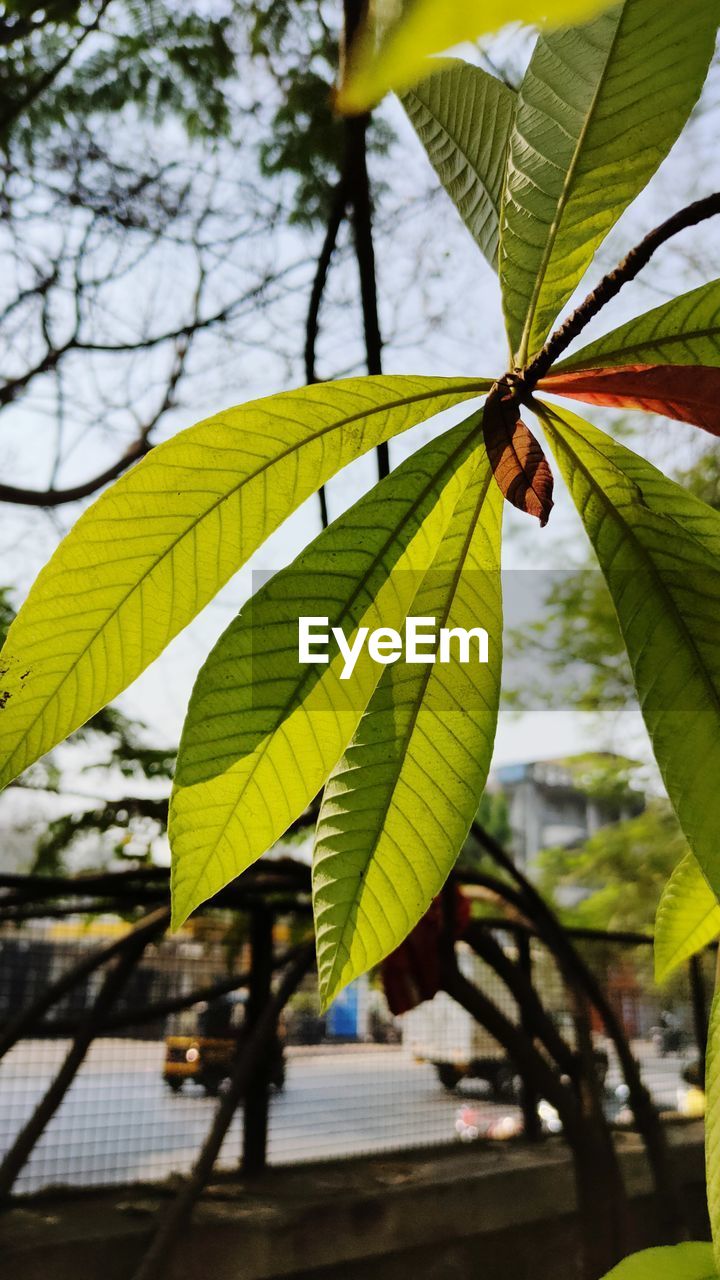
516 457
688 393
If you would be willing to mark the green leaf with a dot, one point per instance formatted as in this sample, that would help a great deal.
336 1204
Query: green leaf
158 545
692 1261
391 52
463 117
263 729
599 109
659 549
398 807
688 917
712 1125
683 331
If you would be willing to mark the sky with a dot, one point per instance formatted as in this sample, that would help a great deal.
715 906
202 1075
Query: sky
428 268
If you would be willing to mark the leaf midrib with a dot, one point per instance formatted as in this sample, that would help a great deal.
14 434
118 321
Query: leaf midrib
473 385
495 202
427 675
691 335
564 198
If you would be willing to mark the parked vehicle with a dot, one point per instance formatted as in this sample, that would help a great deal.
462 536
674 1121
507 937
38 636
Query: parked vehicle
441 1032
203 1042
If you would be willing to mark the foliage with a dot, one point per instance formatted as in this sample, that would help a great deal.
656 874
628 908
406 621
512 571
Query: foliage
678 1262
464 120
262 734
298 43
63 62
618 874
688 917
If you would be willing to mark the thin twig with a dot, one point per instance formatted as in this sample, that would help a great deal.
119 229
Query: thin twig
337 213
612 283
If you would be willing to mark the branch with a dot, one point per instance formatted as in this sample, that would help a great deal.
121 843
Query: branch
611 284
337 214
56 497
361 200
335 219
521 988
52 497
579 974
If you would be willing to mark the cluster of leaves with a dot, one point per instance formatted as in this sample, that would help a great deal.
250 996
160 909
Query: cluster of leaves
405 770
539 176
158 58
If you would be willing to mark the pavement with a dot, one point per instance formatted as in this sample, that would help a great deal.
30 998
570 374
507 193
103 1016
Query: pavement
120 1123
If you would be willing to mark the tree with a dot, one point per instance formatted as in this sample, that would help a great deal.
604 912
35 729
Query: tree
615 879
98 342
404 753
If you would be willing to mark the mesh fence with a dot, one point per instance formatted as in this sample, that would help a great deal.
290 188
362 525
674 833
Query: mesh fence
352 1082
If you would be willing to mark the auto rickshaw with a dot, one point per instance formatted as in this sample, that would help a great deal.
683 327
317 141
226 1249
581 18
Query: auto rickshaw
203 1042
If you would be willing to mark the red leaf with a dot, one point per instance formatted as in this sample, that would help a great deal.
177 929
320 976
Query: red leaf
689 393
518 462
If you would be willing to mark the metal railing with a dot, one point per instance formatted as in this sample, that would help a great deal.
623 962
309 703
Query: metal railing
94 1004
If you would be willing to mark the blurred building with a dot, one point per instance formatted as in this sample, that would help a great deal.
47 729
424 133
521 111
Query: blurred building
565 801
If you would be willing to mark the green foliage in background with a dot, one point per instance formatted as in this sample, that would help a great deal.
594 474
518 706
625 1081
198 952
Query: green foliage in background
160 60
616 878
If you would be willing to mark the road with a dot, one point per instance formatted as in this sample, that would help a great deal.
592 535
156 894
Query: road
120 1123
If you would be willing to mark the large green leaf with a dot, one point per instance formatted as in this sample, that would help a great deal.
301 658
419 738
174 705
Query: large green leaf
683 331
398 806
712 1125
463 117
659 549
151 552
264 729
688 917
392 49
692 1261
599 109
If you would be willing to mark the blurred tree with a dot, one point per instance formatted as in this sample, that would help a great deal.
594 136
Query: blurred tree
85 834
493 816
577 656
615 879
63 62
